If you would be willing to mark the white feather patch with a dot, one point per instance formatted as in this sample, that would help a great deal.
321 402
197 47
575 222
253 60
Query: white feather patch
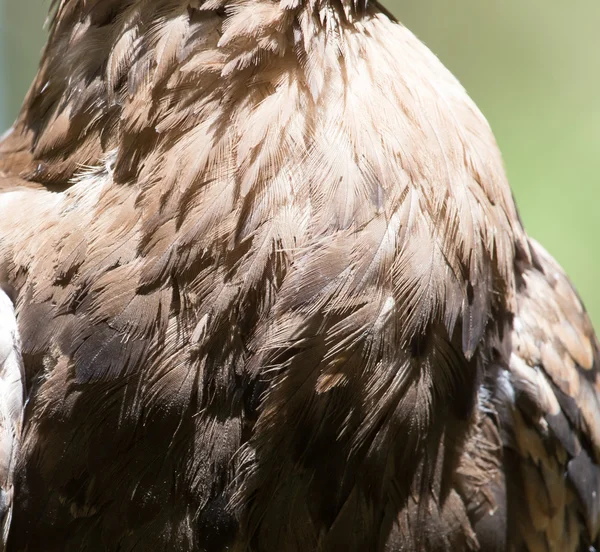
12 391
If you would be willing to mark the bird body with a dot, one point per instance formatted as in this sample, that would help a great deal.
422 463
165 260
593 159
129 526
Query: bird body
272 293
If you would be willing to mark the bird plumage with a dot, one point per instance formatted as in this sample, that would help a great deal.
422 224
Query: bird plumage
11 408
273 294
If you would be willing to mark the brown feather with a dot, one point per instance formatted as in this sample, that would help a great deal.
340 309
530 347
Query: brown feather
273 294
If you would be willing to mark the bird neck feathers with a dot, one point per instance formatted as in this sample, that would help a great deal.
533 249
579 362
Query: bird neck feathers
116 74
287 119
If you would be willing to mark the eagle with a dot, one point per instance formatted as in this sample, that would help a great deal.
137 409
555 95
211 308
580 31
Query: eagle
265 289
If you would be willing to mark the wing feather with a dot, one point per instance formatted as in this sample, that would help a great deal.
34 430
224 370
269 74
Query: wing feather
553 413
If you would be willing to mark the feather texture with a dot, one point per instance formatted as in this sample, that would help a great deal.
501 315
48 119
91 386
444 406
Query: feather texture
12 387
273 294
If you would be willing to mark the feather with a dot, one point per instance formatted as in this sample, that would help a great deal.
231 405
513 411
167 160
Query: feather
12 395
273 293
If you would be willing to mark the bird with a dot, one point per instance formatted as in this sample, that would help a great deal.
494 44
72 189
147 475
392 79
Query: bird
264 287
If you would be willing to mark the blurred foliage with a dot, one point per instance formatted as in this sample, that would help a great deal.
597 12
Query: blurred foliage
532 67
22 37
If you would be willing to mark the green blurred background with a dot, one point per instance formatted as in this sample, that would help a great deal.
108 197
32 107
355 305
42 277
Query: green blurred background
532 67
